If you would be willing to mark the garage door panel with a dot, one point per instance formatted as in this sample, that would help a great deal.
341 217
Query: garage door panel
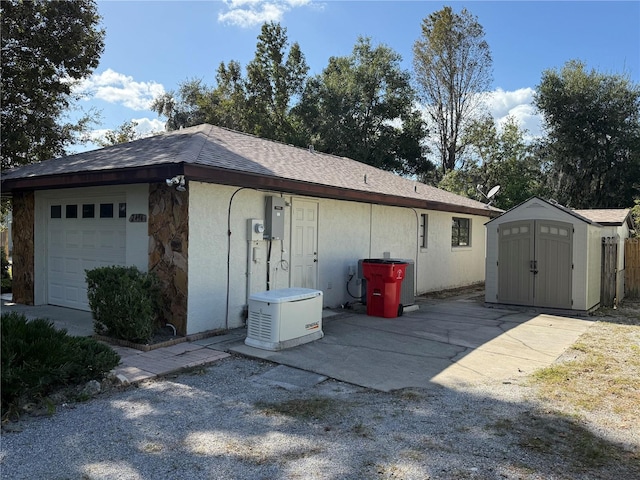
89 239
72 239
56 265
75 245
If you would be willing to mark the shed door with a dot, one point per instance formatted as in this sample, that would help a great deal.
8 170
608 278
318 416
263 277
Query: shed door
82 235
535 263
515 253
554 255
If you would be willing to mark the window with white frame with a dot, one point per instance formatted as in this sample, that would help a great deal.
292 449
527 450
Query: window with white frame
460 232
424 230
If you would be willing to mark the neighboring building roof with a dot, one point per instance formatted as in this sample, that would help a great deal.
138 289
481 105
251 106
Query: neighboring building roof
217 155
614 217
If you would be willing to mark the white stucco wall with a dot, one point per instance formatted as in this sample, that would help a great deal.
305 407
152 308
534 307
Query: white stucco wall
137 237
347 232
586 254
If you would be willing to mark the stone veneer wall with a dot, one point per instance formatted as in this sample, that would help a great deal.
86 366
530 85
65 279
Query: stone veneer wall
23 247
168 250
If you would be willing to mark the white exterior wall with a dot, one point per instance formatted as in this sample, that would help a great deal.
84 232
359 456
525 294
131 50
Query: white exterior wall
137 235
594 266
586 256
347 232
442 266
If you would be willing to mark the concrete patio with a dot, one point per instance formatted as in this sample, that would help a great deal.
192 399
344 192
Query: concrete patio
455 343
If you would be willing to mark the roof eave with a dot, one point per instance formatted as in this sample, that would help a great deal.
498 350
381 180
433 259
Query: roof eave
158 173
278 184
146 174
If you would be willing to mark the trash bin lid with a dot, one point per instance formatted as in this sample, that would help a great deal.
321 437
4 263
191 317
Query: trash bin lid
284 295
379 260
386 261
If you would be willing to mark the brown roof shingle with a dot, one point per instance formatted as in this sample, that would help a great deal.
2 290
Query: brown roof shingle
607 217
222 149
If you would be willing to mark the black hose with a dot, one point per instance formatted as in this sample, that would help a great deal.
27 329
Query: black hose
350 294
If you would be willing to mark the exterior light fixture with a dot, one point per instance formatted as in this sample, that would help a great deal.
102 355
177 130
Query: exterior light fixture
178 181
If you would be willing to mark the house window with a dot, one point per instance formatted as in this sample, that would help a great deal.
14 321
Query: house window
56 211
88 210
71 211
460 232
424 229
122 210
106 210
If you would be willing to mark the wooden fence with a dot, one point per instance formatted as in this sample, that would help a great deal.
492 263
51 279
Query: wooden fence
632 268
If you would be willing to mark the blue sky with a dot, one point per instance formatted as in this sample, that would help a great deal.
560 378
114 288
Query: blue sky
152 46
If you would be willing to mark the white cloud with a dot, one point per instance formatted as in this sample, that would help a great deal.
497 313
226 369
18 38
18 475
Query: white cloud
114 87
148 126
248 13
145 127
517 104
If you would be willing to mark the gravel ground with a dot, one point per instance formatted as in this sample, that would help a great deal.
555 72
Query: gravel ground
226 422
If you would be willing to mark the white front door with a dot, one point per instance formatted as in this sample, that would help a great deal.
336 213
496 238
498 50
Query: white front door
82 234
304 244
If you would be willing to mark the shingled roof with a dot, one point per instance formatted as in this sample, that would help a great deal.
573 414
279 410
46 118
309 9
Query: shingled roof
219 155
614 217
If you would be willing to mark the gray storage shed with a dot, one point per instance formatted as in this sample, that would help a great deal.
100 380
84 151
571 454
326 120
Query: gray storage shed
543 255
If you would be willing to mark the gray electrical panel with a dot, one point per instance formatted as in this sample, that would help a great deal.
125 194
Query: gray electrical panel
274 218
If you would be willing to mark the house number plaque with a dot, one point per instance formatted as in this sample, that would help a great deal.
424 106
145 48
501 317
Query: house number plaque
138 218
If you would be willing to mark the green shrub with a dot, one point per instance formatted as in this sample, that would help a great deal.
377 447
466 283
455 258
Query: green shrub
124 301
38 359
5 275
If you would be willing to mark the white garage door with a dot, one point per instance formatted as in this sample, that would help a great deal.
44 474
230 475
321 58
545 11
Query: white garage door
82 235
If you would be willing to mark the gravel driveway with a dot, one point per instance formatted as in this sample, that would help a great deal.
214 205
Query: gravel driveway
227 421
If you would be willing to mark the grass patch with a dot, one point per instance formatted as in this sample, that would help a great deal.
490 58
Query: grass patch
562 435
603 376
306 408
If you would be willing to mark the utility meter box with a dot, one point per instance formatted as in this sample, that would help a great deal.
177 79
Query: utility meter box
274 218
255 229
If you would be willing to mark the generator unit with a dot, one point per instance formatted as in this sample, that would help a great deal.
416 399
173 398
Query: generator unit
284 318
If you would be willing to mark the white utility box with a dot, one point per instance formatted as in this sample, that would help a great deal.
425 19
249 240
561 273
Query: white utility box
284 318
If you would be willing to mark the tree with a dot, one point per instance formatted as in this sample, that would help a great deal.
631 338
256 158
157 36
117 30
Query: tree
259 104
184 108
592 123
124 133
498 157
452 64
46 48
362 107
272 83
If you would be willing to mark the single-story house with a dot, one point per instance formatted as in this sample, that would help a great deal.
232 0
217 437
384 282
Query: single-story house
219 215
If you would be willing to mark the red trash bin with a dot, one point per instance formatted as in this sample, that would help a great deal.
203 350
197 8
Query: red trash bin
384 283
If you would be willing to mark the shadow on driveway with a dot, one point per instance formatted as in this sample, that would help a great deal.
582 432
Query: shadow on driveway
455 342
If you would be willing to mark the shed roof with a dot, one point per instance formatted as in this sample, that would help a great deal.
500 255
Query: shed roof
218 155
549 204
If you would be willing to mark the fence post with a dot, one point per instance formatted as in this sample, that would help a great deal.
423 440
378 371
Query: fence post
632 268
